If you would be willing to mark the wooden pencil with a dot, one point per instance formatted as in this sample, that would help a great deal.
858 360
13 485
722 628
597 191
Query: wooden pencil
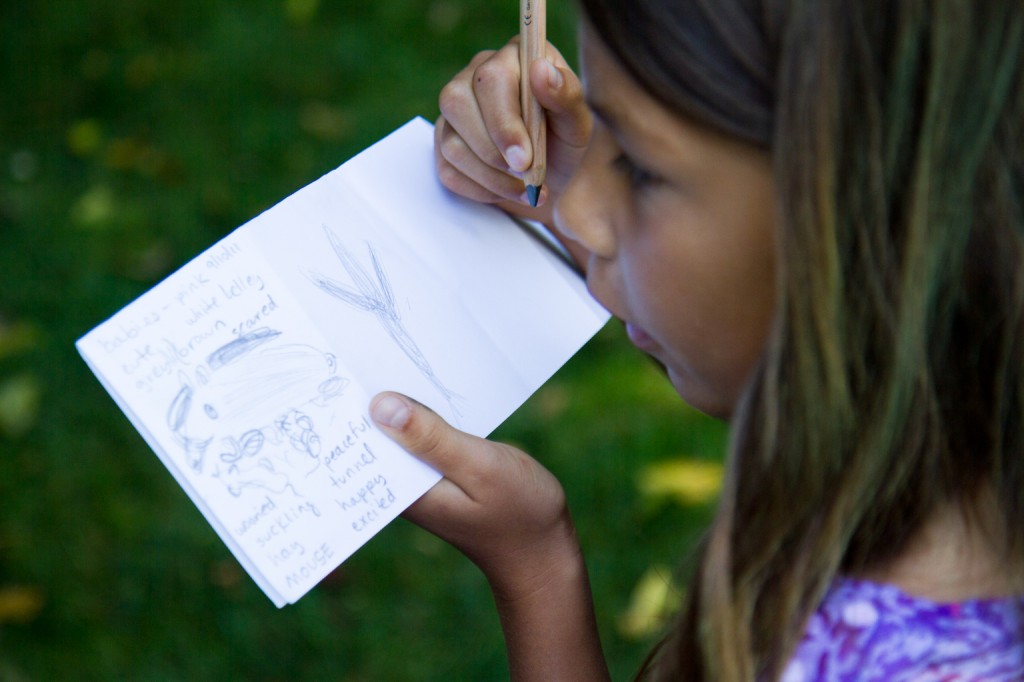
532 41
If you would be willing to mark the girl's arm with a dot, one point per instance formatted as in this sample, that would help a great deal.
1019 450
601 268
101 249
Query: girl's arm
550 632
508 514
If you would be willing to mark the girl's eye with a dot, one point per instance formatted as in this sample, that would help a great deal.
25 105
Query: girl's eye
636 176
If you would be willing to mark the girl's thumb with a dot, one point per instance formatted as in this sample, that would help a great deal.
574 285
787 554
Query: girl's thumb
391 411
417 429
560 92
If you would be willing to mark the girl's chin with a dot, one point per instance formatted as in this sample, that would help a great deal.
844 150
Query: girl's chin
696 395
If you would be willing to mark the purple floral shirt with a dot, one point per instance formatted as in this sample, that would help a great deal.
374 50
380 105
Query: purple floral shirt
867 632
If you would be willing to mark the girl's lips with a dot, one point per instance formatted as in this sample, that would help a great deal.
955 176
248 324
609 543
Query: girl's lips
640 338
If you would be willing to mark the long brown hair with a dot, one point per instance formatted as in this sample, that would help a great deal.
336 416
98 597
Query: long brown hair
893 380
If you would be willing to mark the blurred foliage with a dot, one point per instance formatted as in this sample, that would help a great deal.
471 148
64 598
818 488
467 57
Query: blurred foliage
655 599
688 481
135 134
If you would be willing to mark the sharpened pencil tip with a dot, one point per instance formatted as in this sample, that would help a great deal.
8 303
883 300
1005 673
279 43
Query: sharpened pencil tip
533 194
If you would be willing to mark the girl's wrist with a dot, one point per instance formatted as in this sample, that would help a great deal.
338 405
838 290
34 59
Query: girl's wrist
541 567
547 613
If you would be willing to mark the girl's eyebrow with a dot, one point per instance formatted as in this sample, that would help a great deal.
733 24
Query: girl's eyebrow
622 126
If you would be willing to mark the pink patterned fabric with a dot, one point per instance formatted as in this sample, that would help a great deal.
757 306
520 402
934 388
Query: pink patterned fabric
867 632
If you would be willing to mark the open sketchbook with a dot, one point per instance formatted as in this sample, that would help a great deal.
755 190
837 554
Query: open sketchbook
250 370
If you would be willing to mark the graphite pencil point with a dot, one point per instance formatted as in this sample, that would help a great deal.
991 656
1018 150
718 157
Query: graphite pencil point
533 194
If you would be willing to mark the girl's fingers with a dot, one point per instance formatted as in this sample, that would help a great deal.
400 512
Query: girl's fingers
560 92
473 110
496 88
462 171
445 496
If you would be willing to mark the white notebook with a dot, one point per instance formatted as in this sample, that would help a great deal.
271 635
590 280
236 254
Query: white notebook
250 370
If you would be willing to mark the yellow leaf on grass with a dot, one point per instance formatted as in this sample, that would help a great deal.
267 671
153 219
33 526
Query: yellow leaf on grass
655 598
324 121
85 137
17 338
688 481
125 153
19 603
301 11
20 399
444 16
95 209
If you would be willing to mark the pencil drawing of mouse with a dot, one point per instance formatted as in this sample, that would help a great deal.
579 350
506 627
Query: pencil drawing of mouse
244 412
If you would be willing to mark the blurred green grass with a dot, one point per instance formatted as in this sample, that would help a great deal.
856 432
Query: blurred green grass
135 134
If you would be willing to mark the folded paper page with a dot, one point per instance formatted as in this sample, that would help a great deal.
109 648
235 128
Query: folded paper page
250 370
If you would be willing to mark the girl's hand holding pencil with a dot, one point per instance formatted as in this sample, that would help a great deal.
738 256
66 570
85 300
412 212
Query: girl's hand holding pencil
483 149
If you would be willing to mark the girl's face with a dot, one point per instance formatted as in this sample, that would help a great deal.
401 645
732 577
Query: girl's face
678 225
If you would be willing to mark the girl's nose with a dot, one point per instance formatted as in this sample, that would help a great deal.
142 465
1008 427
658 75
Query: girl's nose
584 212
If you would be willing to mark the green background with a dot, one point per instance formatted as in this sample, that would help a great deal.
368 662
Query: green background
132 136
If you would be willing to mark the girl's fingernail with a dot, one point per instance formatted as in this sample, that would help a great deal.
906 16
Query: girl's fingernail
555 78
390 411
516 158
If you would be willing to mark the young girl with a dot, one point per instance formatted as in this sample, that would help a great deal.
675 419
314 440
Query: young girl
812 214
